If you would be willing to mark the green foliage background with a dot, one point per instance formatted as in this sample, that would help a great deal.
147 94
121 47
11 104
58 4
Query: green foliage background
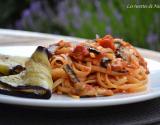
82 18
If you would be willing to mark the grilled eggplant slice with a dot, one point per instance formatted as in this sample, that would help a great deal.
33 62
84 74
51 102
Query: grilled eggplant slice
34 82
10 65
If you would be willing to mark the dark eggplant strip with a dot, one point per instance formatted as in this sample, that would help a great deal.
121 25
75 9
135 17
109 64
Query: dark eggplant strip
11 70
68 69
16 69
105 61
118 53
91 49
47 95
23 91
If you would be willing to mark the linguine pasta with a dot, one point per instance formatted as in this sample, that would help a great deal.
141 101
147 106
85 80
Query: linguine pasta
100 67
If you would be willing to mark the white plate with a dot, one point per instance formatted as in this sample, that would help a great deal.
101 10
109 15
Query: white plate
65 101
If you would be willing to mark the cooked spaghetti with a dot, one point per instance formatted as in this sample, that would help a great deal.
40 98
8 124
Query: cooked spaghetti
100 67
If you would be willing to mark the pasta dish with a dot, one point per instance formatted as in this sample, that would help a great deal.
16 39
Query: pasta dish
99 67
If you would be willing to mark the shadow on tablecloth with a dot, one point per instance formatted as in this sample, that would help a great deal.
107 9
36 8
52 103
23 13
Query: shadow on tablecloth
147 112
